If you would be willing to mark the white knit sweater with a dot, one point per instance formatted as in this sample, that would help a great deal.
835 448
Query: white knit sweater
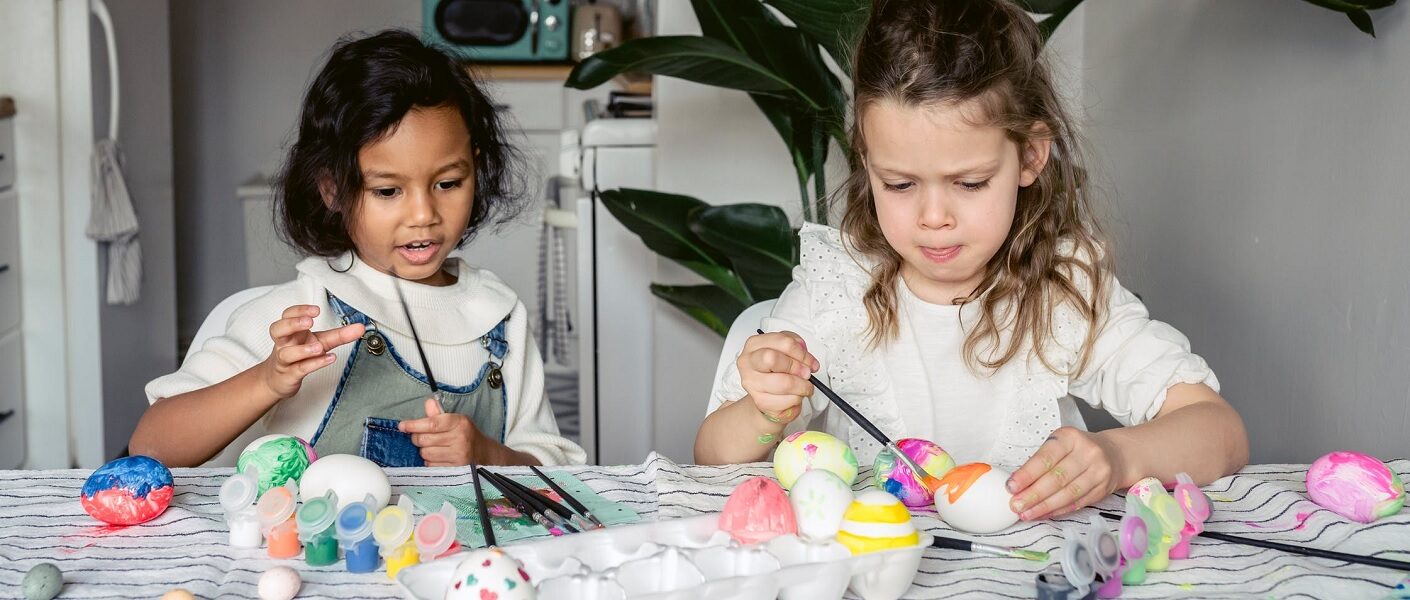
450 320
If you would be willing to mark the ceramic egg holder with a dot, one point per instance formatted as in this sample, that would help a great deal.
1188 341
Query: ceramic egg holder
687 559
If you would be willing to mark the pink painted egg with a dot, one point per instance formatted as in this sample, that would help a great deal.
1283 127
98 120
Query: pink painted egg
758 511
1354 485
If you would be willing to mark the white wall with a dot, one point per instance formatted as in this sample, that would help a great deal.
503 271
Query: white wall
1253 153
239 69
139 341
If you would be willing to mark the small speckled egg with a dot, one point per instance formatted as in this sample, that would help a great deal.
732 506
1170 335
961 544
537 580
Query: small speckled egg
42 582
490 574
819 500
804 451
279 583
352 477
757 511
894 477
277 458
973 498
178 594
877 521
1354 485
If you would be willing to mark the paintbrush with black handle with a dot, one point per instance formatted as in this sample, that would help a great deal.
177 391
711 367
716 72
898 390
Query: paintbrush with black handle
573 502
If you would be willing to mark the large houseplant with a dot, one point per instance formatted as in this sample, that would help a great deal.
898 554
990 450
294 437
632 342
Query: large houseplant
747 251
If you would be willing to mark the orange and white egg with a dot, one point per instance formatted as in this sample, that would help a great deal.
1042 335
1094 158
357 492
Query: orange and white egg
973 498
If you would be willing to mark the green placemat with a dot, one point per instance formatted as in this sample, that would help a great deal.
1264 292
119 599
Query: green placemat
509 525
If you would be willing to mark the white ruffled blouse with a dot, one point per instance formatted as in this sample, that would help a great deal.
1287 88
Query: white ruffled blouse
1134 361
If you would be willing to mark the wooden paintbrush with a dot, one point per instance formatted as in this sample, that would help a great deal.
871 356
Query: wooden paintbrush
921 475
573 502
519 502
1304 551
425 364
484 511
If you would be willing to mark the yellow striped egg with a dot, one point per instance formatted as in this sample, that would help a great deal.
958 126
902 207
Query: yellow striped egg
877 521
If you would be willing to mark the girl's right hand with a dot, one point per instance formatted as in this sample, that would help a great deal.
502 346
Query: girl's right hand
774 369
299 351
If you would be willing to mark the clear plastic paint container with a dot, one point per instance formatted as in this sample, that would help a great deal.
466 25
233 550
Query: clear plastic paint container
275 511
393 529
354 531
316 531
237 498
435 534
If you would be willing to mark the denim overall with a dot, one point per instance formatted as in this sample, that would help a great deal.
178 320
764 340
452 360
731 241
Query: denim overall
378 390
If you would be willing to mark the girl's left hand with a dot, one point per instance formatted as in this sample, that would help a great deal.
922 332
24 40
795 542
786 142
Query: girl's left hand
1071 470
445 439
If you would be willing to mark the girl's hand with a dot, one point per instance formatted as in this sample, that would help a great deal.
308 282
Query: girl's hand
299 351
445 439
774 369
1071 470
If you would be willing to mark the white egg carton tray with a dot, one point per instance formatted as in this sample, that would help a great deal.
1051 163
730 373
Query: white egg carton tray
688 559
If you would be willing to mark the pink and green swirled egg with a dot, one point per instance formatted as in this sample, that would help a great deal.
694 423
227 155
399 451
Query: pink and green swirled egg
895 477
1356 486
804 451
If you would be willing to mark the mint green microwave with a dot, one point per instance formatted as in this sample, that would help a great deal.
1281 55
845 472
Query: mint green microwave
500 31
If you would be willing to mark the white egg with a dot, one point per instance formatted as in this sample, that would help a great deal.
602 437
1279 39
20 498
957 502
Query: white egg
490 573
819 500
279 583
352 477
973 498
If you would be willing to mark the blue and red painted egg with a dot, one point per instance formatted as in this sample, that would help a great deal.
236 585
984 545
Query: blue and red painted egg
128 491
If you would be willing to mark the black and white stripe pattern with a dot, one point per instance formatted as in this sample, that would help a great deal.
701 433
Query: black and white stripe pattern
41 521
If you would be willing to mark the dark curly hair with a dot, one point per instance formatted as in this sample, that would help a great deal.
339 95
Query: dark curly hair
364 90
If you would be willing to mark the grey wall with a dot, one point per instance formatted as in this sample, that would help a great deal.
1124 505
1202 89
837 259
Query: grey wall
239 69
1253 153
139 341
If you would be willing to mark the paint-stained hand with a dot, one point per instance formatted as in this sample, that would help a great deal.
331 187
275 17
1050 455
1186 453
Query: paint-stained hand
445 439
298 350
774 370
1073 469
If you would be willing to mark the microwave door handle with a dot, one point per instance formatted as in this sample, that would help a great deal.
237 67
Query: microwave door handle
534 28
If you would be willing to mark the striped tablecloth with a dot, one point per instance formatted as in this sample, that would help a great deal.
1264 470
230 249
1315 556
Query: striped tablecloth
41 521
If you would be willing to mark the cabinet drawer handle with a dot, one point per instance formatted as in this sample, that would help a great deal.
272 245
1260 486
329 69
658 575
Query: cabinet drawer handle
4 268
5 416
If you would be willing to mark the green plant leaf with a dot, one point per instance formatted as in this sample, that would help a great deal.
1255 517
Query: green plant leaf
834 24
662 222
1057 11
756 238
707 304
788 121
1362 20
700 59
1041 7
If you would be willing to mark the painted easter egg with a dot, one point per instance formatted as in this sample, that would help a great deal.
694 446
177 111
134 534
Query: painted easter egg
877 521
804 451
757 511
973 498
896 478
279 583
1356 486
277 458
352 477
490 574
128 491
819 500
42 582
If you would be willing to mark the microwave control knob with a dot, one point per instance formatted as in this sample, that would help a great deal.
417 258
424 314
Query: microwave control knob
551 22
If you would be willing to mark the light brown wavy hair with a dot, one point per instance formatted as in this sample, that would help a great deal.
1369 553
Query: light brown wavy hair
921 53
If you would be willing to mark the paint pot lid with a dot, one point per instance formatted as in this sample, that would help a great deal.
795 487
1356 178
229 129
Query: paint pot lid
239 492
355 522
317 515
393 526
434 535
1077 561
275 507
1106 553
